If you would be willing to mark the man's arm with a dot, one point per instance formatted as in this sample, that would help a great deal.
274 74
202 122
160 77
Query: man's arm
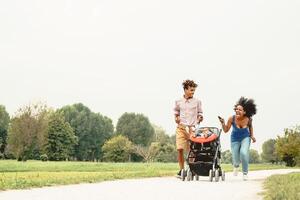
199 112
177 112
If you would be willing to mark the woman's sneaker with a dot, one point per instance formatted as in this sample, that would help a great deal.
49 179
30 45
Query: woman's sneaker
245 177
235 171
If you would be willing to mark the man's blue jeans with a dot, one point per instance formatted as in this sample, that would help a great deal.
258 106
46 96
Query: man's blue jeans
240 152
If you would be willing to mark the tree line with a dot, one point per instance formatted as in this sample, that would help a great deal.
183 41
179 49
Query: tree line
74 132
284 148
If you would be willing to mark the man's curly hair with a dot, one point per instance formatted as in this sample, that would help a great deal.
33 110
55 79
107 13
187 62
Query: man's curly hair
248 105
189 83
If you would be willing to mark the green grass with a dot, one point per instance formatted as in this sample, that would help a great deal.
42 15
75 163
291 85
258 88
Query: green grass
20 175
282 187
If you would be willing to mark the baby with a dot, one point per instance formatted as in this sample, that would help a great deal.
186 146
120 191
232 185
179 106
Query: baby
205 132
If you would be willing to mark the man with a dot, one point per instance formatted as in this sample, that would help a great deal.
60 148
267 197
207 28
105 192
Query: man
188 113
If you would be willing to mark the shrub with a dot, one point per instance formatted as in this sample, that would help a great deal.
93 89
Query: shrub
44 157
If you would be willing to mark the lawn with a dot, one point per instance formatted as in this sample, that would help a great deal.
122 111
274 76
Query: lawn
20 175
282 187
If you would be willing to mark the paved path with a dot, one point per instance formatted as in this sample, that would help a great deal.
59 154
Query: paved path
166 188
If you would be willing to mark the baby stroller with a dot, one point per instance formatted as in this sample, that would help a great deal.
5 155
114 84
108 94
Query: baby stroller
204 157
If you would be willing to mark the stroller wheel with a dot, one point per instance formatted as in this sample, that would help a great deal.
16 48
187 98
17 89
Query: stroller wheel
189 175
217 177
210 175
196 177
223 175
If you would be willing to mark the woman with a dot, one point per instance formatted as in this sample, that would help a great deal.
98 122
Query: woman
242 133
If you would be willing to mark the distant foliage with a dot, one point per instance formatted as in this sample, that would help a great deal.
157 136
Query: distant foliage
27 132
74 132
226 157
268 151
148 153
161 149
167 153
44 157
160 135
117 149
60 138
254 156
288 146
136 127
4 121
91 129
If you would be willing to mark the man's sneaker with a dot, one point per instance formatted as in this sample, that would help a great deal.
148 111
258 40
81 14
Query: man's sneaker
245 177
178 175
235 171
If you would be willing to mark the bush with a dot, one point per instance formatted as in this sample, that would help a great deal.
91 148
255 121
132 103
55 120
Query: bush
117 149
287 147
44 157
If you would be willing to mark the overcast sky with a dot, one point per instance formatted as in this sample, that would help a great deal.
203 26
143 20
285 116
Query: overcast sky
119 56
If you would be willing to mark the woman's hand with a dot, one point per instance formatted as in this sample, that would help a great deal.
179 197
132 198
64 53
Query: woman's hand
221 120
253 139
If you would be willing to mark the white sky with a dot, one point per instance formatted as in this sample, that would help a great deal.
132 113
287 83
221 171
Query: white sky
119 56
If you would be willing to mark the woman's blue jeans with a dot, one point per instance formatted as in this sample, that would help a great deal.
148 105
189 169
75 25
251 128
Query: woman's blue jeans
240 153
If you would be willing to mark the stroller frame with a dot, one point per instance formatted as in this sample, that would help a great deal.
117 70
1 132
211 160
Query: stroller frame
204 157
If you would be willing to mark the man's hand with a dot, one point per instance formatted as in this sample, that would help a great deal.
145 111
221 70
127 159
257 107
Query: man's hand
200 119
177 119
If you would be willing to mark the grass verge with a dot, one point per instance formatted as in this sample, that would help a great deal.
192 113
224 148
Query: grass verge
21 175
282 187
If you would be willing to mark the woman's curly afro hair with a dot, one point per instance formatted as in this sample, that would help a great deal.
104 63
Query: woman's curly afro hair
248 105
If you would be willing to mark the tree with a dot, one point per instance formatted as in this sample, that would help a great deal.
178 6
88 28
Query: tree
92 130
27 132
117 149
254 156
269 153
161 149
136 127
226 157
287 147
60 138
4 121
173 139
166 151
160 135
148 153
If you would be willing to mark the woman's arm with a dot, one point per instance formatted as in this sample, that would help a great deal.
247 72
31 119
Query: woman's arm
251 131
226 127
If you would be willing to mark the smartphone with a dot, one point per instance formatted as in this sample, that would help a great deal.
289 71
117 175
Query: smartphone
220 118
